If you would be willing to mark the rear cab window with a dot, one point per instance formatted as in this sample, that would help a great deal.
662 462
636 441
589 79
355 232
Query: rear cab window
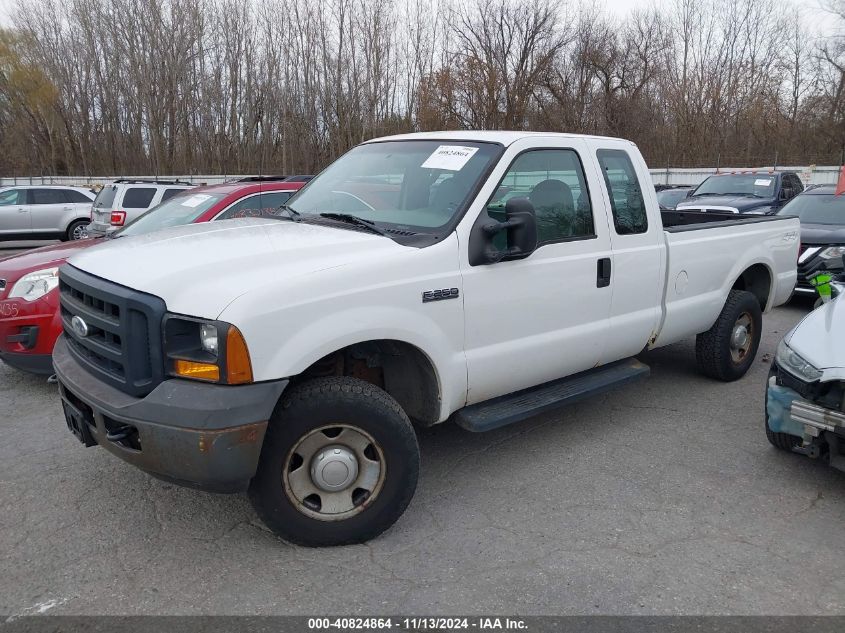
623 188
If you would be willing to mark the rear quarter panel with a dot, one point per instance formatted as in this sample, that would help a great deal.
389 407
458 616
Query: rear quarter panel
704 264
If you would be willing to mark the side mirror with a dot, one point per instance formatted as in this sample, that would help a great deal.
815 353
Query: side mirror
521 226
786 193
690 192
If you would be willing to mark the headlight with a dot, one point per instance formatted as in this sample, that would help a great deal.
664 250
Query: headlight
212 351
208 337
788 360
36 284
833 252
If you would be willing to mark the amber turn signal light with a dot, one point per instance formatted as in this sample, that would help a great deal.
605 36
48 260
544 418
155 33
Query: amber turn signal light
238 364
199 371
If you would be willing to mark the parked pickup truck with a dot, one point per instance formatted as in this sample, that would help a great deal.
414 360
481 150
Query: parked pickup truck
751 192
482 277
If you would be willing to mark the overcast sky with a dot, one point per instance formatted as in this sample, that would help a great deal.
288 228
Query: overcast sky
816 20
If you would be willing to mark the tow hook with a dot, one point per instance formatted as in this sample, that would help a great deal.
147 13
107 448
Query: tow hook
121 433
810 449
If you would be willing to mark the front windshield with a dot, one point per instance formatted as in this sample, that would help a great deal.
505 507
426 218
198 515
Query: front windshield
761 186
178 210
817 209
406 185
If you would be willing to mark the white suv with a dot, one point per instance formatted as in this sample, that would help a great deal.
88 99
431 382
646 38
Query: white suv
34 212
122 201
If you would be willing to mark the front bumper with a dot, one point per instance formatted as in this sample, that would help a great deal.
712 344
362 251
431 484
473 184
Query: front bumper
191 433
818 427
28 331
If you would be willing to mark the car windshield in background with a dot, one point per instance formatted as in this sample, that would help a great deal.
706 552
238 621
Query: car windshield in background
409 185
817 209
762 186
179 210
671 197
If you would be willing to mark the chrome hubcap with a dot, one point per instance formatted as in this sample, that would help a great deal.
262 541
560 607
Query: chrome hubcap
79 233
334 472
741 337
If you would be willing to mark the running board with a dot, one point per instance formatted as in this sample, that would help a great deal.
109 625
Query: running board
527 403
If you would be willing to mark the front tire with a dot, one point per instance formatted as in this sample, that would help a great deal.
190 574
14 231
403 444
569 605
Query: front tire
76 231
339 464
727 350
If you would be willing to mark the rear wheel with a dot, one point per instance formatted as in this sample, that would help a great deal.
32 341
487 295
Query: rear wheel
77 231
726 351
339 464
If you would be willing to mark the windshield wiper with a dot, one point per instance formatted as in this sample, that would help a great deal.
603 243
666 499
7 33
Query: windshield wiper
355 220
293 214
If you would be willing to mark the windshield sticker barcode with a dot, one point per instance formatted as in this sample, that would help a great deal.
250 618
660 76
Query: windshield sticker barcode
451 157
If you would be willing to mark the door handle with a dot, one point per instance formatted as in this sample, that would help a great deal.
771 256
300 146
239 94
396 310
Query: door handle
603 272
22 210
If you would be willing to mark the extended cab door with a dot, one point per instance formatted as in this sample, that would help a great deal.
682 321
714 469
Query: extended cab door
636 238
536 319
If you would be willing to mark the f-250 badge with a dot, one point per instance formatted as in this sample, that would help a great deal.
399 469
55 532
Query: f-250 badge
440 295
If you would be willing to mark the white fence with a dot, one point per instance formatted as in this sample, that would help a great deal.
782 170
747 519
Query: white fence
809 174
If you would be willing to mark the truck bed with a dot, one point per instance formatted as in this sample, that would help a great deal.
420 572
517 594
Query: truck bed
677 221
703 265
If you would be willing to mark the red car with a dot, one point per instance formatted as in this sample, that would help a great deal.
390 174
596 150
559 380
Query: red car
30 319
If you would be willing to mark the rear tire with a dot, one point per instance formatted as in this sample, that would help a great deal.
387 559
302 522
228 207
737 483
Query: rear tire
76 231
727 350
343 433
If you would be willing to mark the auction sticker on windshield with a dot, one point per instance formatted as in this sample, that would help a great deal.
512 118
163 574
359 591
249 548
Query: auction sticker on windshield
195 200
762 182
451 157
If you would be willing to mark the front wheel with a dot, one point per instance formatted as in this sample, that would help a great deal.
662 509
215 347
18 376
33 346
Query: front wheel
339 464
726 351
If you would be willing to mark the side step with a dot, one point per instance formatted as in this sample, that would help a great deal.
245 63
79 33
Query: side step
527 403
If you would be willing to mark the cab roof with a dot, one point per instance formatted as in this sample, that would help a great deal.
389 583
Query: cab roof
503 137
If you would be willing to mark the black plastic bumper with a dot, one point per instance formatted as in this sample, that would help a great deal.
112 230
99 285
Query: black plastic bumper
195 434
32 363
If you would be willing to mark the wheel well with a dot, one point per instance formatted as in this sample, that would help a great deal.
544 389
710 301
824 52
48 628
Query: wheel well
401 369
758 281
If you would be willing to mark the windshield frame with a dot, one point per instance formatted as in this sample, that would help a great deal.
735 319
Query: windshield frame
431 235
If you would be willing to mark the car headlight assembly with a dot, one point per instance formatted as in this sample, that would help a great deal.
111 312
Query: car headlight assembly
833 252
210 351
35 285
790 361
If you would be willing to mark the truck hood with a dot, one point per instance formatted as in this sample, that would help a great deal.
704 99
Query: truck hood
16 266
740 203
818 339
198 269
822 234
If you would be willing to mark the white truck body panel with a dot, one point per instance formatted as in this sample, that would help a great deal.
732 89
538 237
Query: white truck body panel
299 291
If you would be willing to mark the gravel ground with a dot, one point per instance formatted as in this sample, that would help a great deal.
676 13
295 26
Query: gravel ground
663 497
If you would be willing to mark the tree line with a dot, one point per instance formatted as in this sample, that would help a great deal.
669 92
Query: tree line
89 87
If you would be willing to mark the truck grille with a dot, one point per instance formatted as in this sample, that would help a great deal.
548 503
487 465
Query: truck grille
120 341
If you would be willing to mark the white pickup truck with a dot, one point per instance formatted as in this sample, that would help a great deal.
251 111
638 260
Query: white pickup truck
481 277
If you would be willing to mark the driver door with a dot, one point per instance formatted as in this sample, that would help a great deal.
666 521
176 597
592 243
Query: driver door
543 317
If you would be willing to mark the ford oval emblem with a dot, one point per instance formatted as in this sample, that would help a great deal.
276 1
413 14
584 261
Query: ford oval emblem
79 326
